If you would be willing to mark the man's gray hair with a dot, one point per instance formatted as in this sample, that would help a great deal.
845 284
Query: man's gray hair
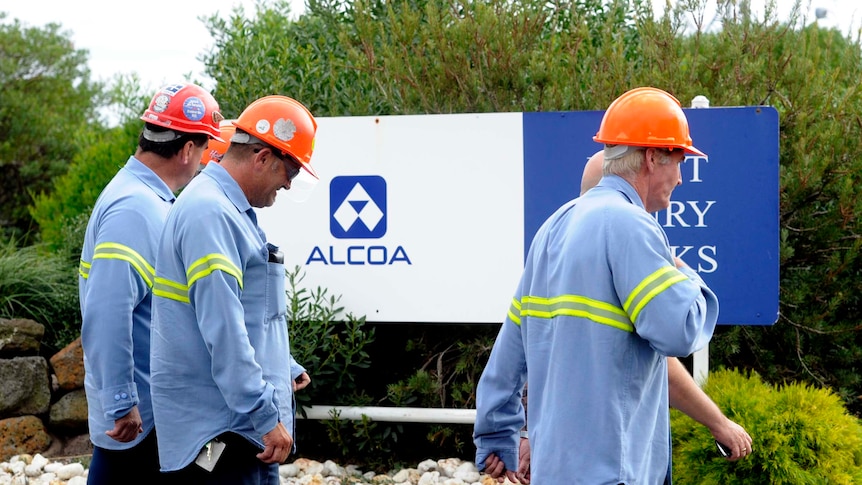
625 164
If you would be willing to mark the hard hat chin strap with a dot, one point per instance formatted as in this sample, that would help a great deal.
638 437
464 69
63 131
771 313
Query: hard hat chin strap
161 136
614 152
243 138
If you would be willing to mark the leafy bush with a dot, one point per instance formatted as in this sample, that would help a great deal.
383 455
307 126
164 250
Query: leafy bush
39 286
331 345
801 435
326 341
76 191
63 211
415 365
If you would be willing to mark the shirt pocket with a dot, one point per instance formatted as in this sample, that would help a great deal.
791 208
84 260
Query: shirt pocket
276 301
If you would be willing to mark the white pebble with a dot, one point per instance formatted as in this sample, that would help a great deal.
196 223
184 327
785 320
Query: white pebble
402 476
32 470
314 468
288 471
39 461
71 470
429 478
331 469
80 480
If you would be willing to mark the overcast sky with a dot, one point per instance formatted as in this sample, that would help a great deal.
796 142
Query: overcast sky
161 39
158 39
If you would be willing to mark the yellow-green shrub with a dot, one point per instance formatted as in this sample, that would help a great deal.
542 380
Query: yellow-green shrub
801 435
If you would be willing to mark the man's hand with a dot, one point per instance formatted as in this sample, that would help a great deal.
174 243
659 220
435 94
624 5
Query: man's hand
128 427
524 461
735 437
278 443
495 468
301 382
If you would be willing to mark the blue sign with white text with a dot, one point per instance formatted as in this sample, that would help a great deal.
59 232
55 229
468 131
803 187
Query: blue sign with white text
723 219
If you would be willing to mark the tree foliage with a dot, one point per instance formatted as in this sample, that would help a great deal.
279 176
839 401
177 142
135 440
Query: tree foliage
62 212
272 54
46 98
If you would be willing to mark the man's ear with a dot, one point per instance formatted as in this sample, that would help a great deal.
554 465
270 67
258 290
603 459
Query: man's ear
187 151
261 158
649 158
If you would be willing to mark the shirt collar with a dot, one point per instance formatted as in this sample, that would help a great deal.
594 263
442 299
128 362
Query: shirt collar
620 184
228 185
146 175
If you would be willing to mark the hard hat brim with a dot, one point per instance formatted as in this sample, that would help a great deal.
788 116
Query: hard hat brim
694 151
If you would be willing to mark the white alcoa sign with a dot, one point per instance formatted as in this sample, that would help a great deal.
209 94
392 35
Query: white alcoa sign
414 219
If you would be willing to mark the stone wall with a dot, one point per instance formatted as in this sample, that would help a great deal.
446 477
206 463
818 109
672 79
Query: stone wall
43 408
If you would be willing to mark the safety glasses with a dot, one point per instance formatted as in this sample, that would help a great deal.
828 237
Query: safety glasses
293 168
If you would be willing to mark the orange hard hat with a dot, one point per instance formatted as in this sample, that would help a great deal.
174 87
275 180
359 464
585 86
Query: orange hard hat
216 148
186 108
646 117
283 123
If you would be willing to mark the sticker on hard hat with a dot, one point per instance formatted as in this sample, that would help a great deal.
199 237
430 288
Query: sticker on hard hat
173 88
161 103
194 108
262 126
284 129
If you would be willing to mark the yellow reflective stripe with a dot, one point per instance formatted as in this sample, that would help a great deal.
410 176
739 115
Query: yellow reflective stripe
125 253
84 269
576 306
210 263
650 287
515 311
173 290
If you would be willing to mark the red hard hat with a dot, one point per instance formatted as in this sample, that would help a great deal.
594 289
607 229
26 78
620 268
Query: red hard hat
186 108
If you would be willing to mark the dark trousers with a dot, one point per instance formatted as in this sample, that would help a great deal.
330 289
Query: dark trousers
109 467
237 465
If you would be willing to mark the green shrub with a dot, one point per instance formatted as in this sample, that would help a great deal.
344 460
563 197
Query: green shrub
75 192
326 341
39 286
801 435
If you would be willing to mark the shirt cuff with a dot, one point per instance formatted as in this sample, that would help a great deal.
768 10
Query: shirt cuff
118 400
524 434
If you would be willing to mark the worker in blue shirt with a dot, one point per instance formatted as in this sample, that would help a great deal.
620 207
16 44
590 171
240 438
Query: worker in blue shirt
683 392
214 153
116 279
601 303
221 379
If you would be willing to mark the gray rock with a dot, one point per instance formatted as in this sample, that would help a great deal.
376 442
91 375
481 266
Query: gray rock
20 337
70 412
25 387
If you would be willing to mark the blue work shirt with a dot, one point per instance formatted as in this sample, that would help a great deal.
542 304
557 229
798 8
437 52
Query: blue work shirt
599 307
220 348
115 289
